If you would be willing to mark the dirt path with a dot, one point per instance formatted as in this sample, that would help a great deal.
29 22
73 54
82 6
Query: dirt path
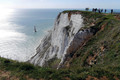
117 17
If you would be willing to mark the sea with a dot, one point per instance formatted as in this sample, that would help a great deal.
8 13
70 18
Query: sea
18 41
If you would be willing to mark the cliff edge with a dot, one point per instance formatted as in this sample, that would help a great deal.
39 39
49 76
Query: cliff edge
72 29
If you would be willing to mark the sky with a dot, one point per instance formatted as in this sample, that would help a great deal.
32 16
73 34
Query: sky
109 4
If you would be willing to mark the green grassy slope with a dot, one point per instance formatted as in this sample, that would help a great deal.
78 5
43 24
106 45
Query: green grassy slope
101 54
98 58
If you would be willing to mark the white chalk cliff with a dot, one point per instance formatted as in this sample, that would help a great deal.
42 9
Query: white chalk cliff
65 38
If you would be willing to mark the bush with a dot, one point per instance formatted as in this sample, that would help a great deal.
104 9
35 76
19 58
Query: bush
27 67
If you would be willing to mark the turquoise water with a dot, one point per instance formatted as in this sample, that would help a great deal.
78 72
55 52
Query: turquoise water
18 41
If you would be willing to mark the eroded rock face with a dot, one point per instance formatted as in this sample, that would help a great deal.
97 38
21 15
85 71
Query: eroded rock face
65 38
79 40
42 51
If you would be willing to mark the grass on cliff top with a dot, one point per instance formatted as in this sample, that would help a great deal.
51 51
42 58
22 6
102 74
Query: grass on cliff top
88 17
87 14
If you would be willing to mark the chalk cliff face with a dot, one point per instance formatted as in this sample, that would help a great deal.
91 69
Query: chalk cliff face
63 40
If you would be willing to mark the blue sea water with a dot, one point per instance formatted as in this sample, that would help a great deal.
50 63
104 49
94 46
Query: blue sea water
18 41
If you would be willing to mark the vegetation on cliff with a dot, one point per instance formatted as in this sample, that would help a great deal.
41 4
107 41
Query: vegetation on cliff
97 59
